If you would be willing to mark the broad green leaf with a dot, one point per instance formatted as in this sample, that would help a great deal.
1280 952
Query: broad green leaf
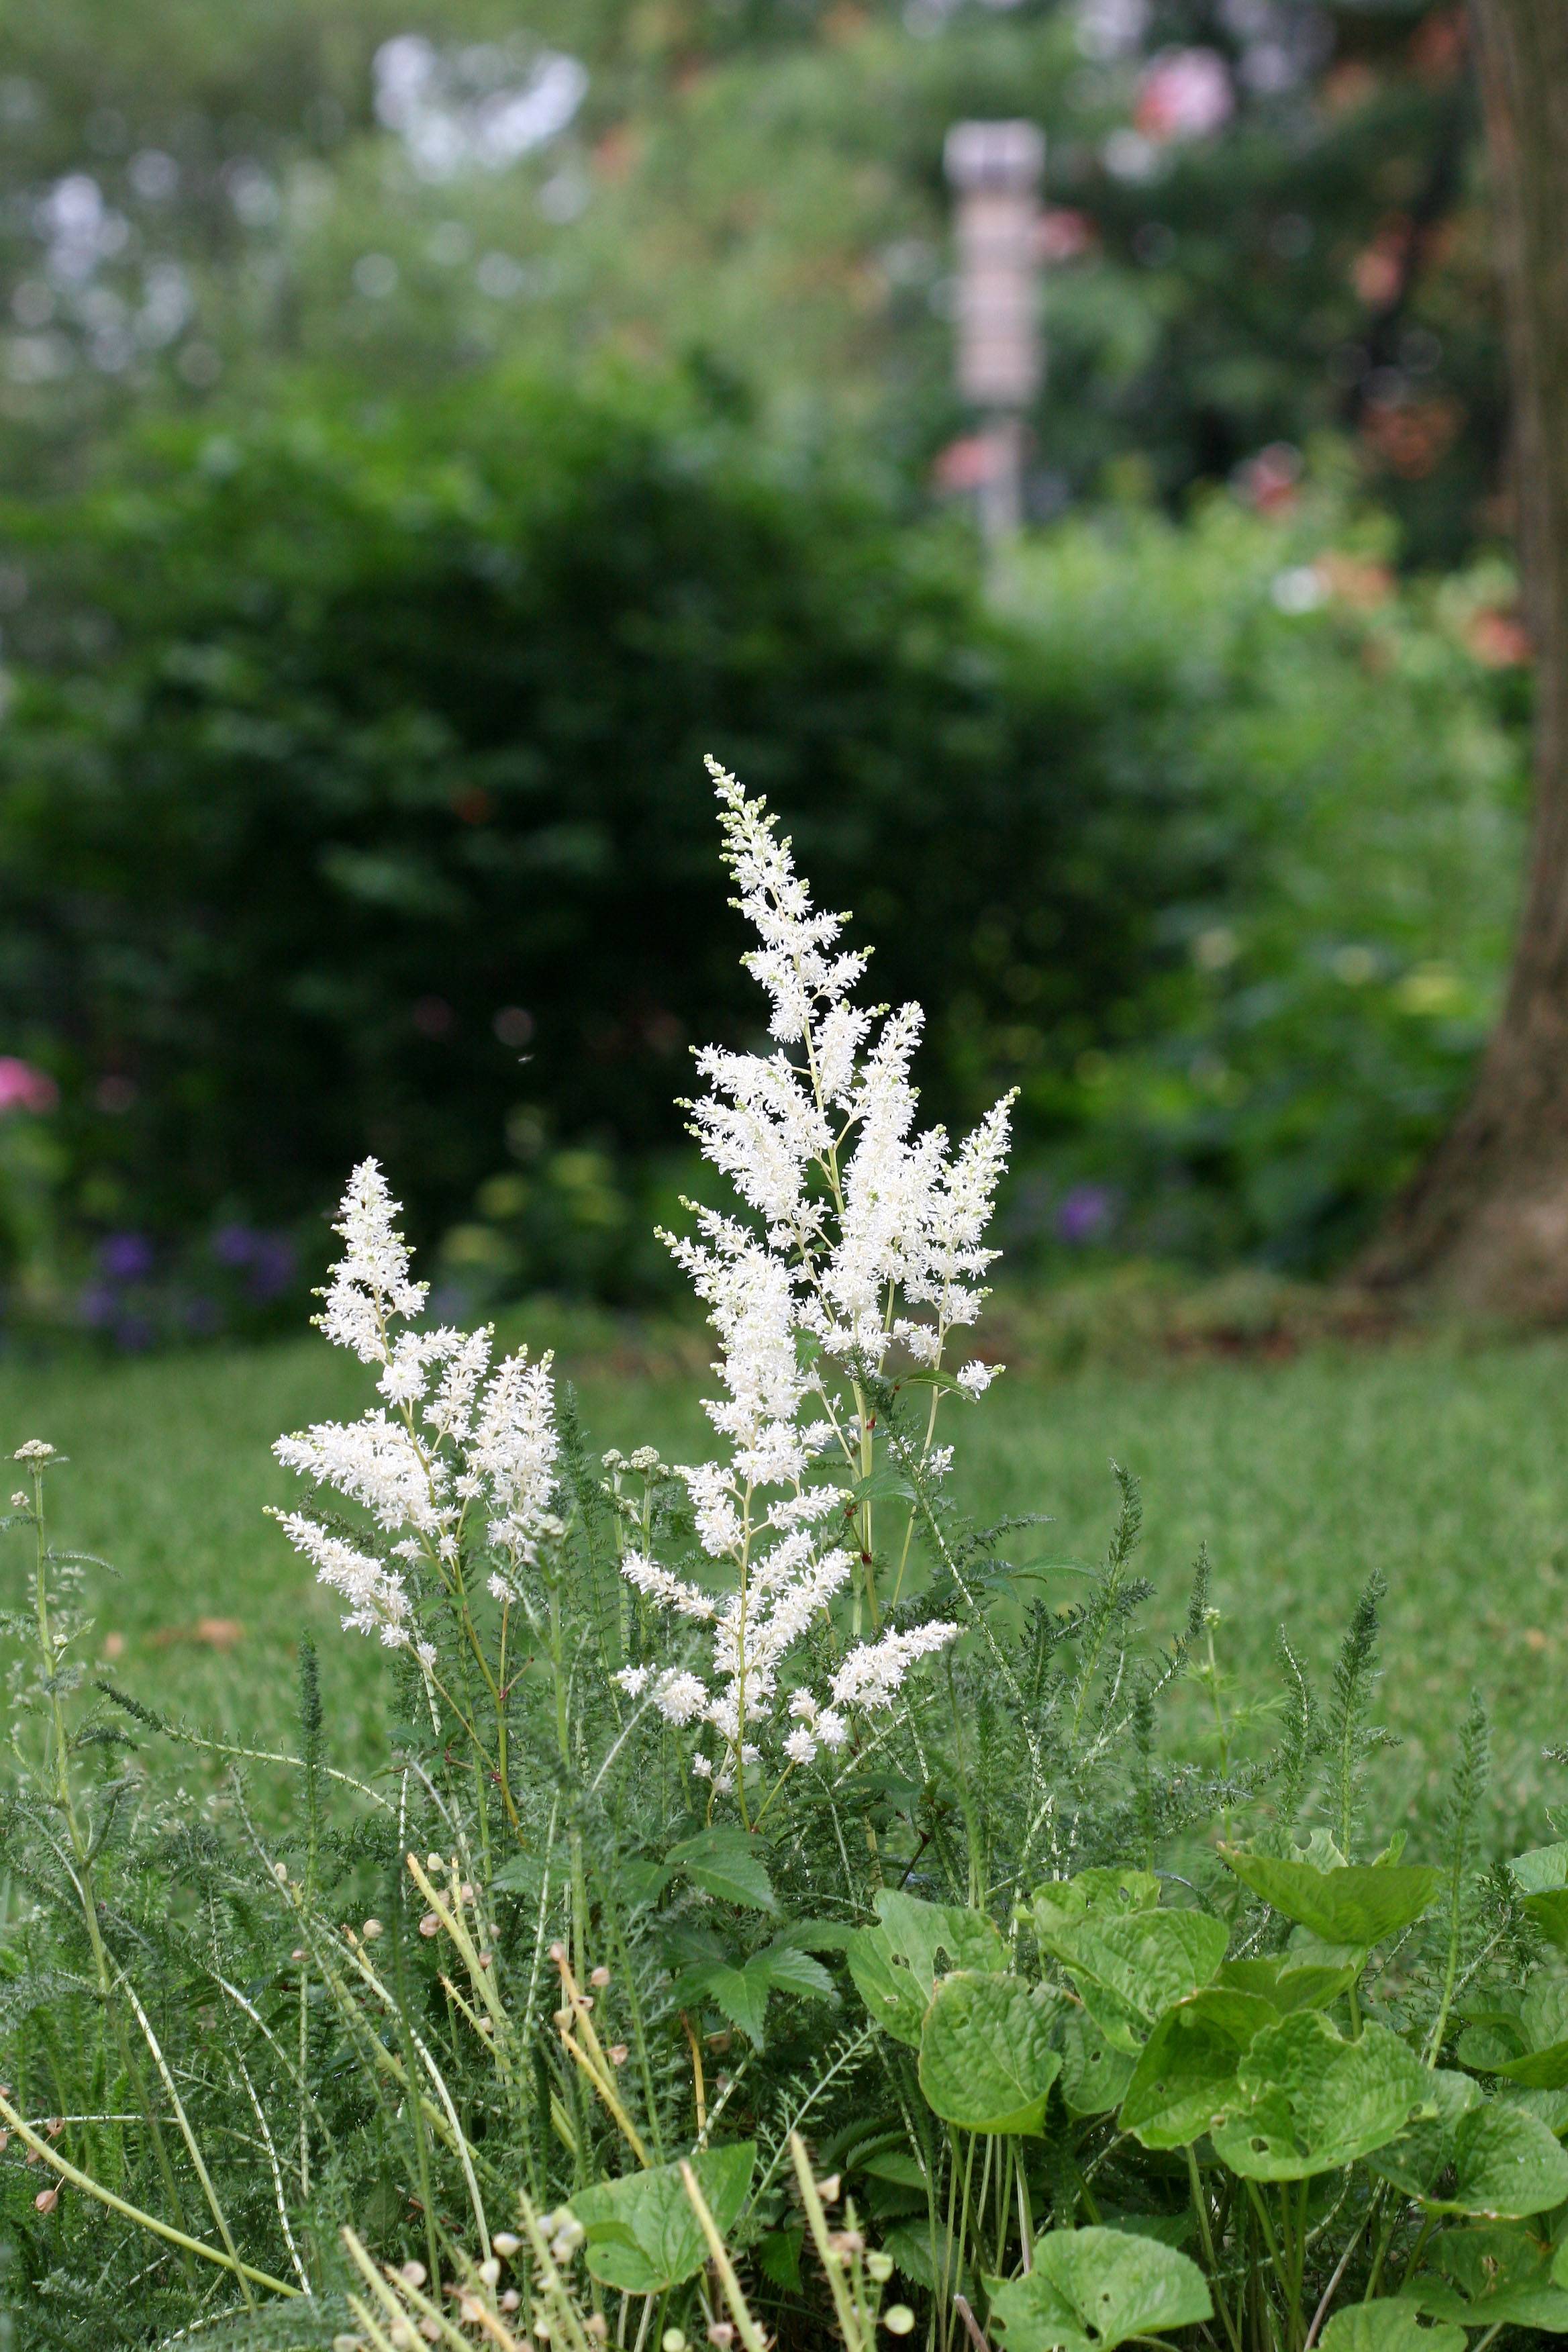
1187 2079
987 2062
1543 2029
795 1971
1550 1912
1387 2327
1489 2044
1316 2100
1490 2277
894 1965
1094 2076
1543 1869
1129 1969
1090 2290
1359 1903
1286 1985
1506 2165
1415 2158
891 1991
643 2236
930 1937
727 1863
1066 1902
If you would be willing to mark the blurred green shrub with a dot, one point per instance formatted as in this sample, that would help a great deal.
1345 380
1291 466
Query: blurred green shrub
351 795
1354 748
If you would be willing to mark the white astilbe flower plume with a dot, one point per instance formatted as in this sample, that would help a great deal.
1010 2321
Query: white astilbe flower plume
453 1440
868 1238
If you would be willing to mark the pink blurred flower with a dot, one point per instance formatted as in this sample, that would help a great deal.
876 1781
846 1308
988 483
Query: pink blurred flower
24 1088
1185 94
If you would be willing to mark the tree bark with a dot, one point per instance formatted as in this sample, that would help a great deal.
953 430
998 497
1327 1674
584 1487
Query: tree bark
1485 1223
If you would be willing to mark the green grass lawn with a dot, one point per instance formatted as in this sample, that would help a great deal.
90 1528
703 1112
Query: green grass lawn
1447 1469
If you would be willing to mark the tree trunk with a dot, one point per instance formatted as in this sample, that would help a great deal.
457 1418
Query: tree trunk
1484 1223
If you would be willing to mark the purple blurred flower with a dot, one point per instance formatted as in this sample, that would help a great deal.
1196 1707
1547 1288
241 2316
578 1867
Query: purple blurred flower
95 1305
200 1316
235 1244
272 1261
125 1257
1085 1214
134 1332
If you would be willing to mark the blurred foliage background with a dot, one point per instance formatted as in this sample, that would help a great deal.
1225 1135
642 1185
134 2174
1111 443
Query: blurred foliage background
426 428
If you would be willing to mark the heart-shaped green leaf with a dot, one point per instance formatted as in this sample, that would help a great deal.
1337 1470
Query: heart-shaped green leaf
643 2235
1415 2158
1506 2165
1090 2290
1543 1869
1094 2076
1286 1984
987 2058
1130 1970
894 1965
1067 1902
1388 2326
1316 2100
1187 2079
891 1991
1487 2278
1543 2029
1359 1903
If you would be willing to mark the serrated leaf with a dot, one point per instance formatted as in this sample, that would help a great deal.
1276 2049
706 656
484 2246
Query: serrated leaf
1186 2080
1090 2290
1129 1969
643 2235
895 2164
1360 1904
727 1863
1391 2325
986 2061
1316 2100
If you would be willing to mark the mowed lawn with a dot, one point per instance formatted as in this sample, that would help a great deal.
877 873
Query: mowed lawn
1447 1468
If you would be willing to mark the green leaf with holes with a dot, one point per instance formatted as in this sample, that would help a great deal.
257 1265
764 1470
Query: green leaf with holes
1388 2326
1359 1903
987 2062
894 1965
1130 1970
1090 2290
1415 2158
1489 2278
643 2236
1185 2082
1094 2076
1315 2100
1505 2164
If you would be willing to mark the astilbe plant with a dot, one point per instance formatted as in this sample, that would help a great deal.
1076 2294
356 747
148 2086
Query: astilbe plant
523 2031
